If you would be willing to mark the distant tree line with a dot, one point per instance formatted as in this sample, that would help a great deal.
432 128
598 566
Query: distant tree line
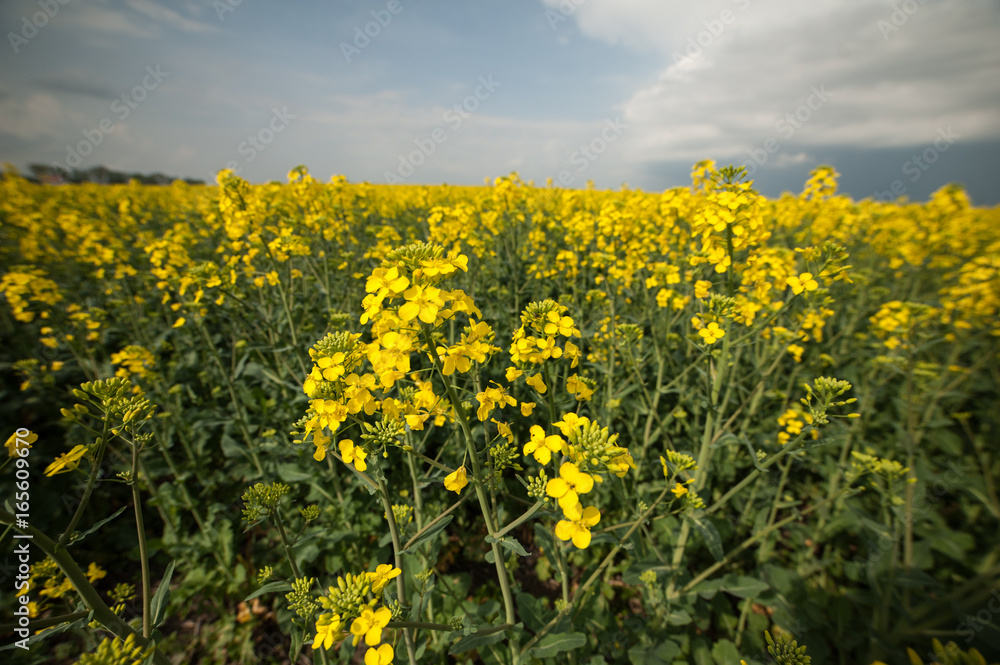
51 175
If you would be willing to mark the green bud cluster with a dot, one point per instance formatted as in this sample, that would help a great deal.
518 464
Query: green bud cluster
310 513
786 651
411 255
505 456
383 433
349 596
300 598
261 500
825 390
536 486
115 651
594 447
536 314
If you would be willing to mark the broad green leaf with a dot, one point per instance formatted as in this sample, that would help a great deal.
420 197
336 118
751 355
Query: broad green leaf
427 535
475 640
725 652
709 535
158 605
550 645
742 586
97 526
277 587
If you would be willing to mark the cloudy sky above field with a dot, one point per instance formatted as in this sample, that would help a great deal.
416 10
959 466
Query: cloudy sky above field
902 95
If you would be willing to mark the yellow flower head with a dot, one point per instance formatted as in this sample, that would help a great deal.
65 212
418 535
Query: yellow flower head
370 624
569 485
576 526
382 575
541 447
352 454
383 655
13 446
66 461
456 480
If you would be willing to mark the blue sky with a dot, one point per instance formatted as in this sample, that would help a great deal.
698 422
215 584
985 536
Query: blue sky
901 97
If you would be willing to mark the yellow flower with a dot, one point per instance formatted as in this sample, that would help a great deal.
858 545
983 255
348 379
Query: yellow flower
369 625
576 386
557 325
380 656
456 480
679 490
12 443
577 525
179 322
421 302
385 282
327 630
95 572
803 282
66 461
380 578
353 454
537 383
712 333
320 440
526 408
569 485
541 446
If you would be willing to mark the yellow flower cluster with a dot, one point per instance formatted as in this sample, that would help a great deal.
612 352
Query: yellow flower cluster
354 604
587 451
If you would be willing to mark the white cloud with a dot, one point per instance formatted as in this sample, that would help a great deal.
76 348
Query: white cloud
728 79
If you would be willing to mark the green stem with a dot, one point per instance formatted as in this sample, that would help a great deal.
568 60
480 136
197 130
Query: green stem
477 477
288 548
398 562
78 579
91 481
147 615
593 577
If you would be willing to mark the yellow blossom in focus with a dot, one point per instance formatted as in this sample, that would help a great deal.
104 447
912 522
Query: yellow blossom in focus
456 480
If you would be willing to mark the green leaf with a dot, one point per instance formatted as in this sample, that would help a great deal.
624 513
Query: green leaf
725 652
475 640
279 586
97 526
510 543
550 645
427 535
709 535
531 611
663 654
158 605
679 618
742 586
52 632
